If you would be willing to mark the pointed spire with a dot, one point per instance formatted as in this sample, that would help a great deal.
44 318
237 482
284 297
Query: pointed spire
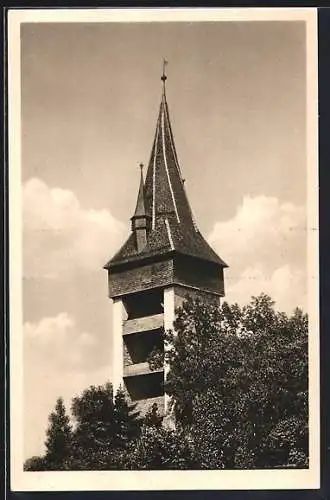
164 186
140 209
140 219
163 220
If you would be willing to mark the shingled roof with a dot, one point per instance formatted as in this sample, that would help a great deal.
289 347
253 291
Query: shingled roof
173 228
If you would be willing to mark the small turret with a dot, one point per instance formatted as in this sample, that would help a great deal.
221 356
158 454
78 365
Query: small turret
140 219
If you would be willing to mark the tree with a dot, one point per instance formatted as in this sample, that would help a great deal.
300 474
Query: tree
238 382
104 427
35 463
59 439
127 421
159 448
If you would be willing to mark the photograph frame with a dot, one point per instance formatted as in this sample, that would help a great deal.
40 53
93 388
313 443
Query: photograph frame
323 352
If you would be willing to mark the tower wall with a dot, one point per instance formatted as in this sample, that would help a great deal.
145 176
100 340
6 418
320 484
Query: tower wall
201 275
135 279
136 333
181 270
118 318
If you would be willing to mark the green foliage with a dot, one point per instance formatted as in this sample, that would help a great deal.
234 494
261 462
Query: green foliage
159 448
238 380
153 418
238 383
156 356
59 439
93 415
104 428
127 421
35 464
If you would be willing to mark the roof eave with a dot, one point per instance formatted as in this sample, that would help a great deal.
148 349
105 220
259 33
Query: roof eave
139 258
111 264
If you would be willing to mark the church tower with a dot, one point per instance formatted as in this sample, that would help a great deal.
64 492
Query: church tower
164 260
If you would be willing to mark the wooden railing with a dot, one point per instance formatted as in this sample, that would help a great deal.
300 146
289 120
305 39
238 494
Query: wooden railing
147 323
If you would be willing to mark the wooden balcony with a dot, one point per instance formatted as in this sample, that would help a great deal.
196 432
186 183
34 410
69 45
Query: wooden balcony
147 323
139 369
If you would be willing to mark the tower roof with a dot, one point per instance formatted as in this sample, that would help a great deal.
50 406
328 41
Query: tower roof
165 201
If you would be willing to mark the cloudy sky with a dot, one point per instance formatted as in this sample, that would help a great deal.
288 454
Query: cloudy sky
90 99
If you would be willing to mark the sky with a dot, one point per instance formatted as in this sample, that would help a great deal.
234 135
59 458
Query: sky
90 99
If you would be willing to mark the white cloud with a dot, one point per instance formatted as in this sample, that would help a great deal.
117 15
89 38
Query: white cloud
262 229
56 356
60 236
265 246
58 340
286 285
62 240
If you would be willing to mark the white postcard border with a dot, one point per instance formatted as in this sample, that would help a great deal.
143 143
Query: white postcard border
157 480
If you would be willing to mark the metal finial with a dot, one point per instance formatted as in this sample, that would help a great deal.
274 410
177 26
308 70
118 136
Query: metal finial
141 170
164 77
